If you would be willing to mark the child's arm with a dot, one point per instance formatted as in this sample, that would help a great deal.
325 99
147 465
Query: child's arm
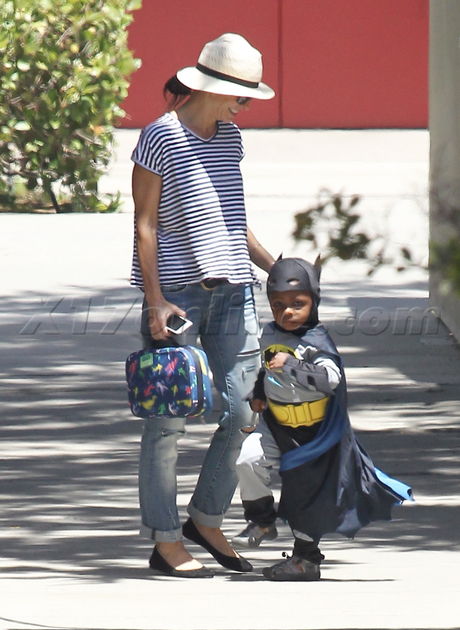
316 371
258 400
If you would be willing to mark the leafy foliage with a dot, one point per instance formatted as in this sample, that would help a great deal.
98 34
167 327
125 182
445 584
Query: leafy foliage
445 253
332 227
446 259
64 68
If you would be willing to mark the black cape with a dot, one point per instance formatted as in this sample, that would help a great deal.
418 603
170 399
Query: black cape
330 484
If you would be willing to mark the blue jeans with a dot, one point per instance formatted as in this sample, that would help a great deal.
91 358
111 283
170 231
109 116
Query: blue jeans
225 320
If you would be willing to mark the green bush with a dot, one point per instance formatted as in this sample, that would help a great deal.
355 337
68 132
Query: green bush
445 252
64 68
333 227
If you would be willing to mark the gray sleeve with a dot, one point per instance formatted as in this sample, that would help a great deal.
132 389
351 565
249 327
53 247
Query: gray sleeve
309 375
333 371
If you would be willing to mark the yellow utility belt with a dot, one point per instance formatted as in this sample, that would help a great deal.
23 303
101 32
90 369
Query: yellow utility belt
300 414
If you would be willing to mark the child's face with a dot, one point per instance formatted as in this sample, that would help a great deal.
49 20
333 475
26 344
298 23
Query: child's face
291 309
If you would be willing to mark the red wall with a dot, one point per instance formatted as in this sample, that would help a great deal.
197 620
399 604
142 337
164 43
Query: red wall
333 63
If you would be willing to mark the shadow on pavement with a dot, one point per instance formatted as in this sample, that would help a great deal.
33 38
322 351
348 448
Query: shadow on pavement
70 444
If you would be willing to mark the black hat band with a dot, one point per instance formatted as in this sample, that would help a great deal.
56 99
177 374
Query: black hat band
226 77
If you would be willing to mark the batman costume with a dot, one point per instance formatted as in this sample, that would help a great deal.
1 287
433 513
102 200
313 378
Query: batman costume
329 483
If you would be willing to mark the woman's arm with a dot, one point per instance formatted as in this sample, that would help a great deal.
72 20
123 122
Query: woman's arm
259 254
146 187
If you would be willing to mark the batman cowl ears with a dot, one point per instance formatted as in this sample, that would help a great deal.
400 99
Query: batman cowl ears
295 274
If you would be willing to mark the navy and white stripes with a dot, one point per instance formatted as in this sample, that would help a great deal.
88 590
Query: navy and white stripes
201 217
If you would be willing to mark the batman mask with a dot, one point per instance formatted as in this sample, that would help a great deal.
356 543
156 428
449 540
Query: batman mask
296 274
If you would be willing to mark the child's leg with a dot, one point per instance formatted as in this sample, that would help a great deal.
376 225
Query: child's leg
302 566
306 548
258 458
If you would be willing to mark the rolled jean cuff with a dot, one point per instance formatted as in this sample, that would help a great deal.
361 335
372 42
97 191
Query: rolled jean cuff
158 536
208 520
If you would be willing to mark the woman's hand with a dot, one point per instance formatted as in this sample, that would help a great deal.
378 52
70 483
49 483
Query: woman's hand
159 315
278 360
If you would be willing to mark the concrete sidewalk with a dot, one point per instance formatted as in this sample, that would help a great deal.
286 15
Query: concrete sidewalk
70 554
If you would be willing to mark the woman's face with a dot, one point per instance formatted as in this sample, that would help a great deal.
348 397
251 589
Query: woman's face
228 107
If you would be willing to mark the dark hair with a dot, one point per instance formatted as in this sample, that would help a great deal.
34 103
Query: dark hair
175 92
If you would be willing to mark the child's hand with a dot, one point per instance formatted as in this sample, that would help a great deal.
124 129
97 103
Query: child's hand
257 405
278 360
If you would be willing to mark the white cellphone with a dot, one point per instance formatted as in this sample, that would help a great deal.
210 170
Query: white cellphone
177 324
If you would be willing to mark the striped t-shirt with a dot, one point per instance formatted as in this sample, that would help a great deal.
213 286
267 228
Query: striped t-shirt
201 228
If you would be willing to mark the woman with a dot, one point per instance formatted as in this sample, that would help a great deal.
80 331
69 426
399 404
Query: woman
192 257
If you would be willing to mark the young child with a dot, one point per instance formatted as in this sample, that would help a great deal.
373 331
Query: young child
328 483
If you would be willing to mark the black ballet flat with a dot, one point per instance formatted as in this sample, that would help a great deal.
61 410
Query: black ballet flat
229 562
158 563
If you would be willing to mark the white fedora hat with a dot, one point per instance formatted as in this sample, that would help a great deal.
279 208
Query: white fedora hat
228 65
